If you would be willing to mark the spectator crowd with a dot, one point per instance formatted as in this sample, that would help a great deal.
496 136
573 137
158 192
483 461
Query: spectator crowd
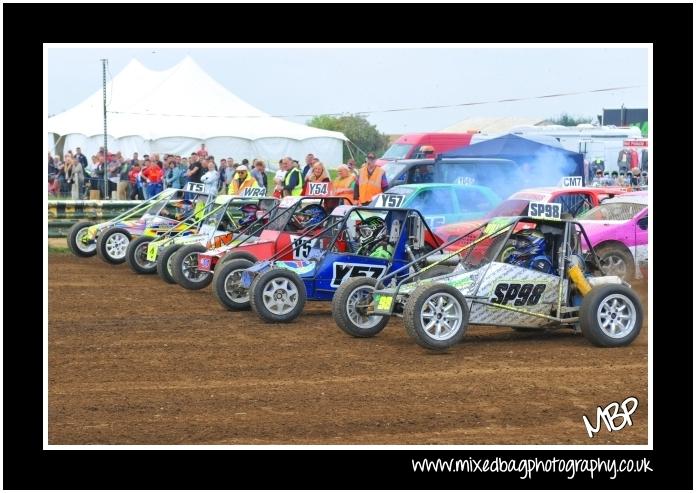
78 177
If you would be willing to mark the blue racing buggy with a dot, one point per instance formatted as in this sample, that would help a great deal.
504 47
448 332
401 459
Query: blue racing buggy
366 242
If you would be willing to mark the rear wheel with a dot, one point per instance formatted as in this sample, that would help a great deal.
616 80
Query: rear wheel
185 268
136 256
278 295
616 261
164 264
436 316
611 315
349 308
76 240
227 287
112 245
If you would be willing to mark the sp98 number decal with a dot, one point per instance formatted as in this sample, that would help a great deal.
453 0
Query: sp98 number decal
522 294
545 210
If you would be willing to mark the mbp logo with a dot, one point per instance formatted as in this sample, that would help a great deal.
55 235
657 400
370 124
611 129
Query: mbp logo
609 414
343 271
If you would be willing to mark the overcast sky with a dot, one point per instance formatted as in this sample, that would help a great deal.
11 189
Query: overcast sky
351 80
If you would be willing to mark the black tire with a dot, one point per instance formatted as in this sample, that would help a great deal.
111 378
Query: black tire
617 261
185 278
596 306
346 316
165 263
237 255
105 245
222 284
76 231
412 316
136 256
256 298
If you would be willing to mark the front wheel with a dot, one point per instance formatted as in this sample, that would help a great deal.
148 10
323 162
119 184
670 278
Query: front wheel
76 240
164 263
436 316
136 256
112 245
611 315
185 268
278 295
227 287
349 308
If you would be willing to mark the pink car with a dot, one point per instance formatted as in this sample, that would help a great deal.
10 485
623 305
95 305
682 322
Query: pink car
618 230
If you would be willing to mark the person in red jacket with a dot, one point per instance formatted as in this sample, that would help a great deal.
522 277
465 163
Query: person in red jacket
153 175
136 191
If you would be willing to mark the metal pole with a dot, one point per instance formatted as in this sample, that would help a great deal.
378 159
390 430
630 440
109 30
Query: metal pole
106 149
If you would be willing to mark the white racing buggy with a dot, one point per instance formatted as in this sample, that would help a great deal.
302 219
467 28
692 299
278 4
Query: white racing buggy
528 273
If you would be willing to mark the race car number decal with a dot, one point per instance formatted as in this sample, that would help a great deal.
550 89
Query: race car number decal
435 221
195 187
318 189
544 210
571 181
219 241
523 294
254 192
390 200
301 247
343 271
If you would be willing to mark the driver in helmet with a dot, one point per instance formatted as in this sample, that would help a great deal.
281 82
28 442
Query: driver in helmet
372 236
308 216
178 209
527 249
249 215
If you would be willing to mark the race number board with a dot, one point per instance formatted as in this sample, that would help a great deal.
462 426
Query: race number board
317 188
544 210
389 200
195 187
254 192
571 181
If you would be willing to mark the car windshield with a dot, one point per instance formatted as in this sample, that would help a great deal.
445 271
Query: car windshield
392 170
397 151
616 211
509 208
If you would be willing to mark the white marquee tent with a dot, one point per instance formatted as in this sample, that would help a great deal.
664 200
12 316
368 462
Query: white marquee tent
175 110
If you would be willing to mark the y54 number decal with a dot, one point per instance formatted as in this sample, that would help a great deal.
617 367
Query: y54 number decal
523 294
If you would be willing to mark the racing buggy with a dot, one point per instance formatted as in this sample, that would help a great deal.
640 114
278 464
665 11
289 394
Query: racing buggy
362 242
109 240
529 273
224 222
280 229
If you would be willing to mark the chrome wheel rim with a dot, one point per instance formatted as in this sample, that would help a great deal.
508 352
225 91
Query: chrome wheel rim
140 257
233 287
116 245
358 301
614 265
280 296
189 267
616 315
441 316
81 245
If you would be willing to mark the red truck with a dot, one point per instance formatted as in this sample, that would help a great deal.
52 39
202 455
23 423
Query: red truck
424 145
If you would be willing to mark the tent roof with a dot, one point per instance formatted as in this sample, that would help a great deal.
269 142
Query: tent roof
506 146
157 104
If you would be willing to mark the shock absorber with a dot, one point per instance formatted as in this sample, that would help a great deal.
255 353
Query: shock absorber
575 274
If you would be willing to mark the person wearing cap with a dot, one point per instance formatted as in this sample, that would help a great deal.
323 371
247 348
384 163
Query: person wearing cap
241 180
344 185
371 181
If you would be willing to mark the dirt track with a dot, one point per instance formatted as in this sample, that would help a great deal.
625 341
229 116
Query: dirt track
135 361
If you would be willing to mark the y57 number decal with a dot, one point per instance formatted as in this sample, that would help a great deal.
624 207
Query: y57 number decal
523 294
